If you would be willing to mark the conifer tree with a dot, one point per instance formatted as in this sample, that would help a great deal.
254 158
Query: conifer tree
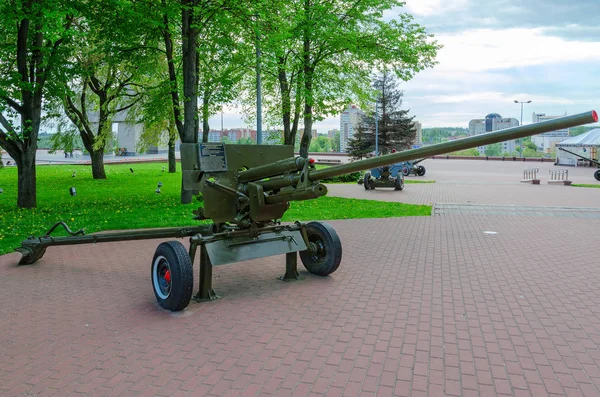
395 129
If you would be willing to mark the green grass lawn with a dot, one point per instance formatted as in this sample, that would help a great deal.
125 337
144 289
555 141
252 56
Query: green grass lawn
585 185
128 200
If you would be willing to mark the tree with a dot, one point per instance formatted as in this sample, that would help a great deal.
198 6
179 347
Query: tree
33 34
335 142
360 145
246 141
347 39
155 113
194 14
111 85
466 152
222 60
320 145
395 130
495 149
319 54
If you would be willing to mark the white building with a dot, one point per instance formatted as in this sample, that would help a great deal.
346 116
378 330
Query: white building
349 120
232 136
214 136
493 122
128 134
548 140
586 145
419 134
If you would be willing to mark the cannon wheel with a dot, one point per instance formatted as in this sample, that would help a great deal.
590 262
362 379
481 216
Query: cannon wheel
327 253
367 180
420 170
597 175
399 183
172 276
405 170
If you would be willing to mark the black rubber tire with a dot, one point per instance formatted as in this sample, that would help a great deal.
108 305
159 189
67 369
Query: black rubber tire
597 175
405 170
421 170
329 249
173 256
399 182
367 180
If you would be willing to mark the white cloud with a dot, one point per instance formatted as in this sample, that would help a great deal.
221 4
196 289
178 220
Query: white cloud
433 7
487 49
490 97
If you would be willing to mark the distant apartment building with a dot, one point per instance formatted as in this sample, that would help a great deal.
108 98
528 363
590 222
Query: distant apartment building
233 135
214 136
331 133
548 140
493 122
419 134
349 120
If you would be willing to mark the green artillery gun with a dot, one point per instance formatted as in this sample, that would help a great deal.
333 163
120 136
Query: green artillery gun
246 190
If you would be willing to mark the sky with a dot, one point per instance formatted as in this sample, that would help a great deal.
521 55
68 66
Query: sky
496 52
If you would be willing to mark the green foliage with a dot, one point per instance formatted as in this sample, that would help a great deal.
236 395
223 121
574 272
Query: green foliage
128 201
67 141
33 36
351 177
273 137
335 142
360 145
320 145
320 54
246 141
597 186
441 134
581 130
466 152
495 149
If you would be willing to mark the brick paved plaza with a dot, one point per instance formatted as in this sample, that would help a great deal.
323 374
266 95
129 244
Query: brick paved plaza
447 305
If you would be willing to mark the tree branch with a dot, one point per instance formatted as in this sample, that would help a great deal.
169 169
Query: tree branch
12 103
14 145
128 106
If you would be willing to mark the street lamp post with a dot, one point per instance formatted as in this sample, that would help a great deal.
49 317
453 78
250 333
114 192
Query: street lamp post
258 92
376 132
521 123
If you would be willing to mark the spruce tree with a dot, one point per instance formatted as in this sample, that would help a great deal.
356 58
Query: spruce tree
360 146
396 130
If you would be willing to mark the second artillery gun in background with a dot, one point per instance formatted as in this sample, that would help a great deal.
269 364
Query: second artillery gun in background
591 161
246 189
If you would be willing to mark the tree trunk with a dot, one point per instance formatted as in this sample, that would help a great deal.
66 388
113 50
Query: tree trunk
308 99
26 194
98 164
172 159
286 110
186 195
205 116
189 32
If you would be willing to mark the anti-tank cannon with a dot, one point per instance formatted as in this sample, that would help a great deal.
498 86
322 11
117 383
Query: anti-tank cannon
246 189
412 167
391 175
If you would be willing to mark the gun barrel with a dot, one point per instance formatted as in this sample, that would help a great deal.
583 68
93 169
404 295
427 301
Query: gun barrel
273 169
460 144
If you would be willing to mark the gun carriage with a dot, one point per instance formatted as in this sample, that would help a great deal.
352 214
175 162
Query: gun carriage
592 161
412 167
246 190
